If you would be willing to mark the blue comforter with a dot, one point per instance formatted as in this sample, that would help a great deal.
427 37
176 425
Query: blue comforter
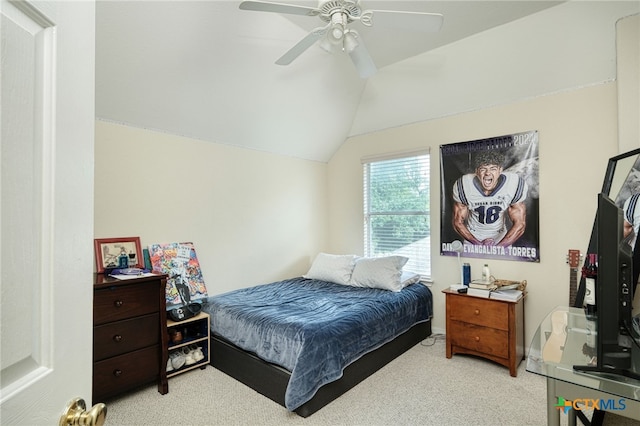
315 328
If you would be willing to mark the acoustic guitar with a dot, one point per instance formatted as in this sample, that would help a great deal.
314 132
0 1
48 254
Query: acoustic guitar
552 350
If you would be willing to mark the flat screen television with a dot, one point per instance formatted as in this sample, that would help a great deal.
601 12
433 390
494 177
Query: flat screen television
621 181
614 293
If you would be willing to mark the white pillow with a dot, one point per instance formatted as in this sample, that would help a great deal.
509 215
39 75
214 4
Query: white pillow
408 278
336 268
379 272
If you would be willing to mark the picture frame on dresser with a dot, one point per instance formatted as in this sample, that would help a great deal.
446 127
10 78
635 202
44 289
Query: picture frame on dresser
108 251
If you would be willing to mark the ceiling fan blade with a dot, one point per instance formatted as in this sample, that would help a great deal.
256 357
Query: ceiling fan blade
362 60
302 45
412 21
265 6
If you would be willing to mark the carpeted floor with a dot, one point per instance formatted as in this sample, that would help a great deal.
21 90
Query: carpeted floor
421 387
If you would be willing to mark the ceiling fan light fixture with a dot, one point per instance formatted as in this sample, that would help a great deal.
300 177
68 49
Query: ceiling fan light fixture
326 45
350 41
336 33
337 29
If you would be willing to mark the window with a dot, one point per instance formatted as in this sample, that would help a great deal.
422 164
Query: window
396 209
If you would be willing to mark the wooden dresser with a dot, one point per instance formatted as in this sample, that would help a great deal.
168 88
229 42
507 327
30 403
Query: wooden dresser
129 334
490 328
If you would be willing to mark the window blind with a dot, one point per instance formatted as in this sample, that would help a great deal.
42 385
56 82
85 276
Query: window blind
396 208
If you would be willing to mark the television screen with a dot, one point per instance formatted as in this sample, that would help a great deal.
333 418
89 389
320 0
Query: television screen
614 292
613 288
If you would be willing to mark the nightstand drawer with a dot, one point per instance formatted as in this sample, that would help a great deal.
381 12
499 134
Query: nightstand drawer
123 372
479 311
126 301
481 339
125 336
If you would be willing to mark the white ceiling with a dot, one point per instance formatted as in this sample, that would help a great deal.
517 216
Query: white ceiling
205 69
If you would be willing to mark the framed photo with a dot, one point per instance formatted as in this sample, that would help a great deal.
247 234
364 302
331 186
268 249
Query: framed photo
114 253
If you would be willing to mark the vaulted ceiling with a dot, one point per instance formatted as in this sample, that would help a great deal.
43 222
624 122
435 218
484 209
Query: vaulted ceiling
205 69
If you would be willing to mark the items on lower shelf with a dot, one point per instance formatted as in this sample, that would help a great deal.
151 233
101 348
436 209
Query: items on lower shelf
188 344
186 356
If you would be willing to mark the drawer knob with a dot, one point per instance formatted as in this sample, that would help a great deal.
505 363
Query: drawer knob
477 312
118 303
117 338
117 372
477 339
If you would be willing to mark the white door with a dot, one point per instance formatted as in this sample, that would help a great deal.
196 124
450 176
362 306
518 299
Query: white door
46 215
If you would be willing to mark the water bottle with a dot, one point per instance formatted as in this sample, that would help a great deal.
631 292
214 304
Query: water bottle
466 274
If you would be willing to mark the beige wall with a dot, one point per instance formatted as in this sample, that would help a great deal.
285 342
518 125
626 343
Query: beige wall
253 217
577 132
628 65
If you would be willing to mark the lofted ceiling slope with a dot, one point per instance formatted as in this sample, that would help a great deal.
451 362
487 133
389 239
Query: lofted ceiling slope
205 69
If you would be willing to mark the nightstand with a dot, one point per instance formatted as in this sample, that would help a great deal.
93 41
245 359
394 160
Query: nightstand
489 328
129 334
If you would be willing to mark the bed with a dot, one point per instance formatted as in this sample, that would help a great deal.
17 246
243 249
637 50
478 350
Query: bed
303 342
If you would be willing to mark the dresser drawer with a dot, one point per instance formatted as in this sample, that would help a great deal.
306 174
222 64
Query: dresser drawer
115 375
125 301
118 337
481 339
479 311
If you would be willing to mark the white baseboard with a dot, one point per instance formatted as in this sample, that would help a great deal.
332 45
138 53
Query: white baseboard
438 330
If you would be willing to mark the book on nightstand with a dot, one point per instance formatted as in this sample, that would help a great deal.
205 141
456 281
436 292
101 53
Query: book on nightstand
478 292
482 285
508 295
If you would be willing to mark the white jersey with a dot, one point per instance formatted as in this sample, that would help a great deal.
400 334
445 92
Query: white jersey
631 212
486 212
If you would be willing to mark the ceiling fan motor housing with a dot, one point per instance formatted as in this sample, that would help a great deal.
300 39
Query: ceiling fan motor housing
350 8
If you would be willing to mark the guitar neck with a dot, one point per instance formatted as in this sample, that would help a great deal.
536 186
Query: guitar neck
573 259
573 286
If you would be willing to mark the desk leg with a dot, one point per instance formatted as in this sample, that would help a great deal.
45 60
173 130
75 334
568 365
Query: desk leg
572 417
553 414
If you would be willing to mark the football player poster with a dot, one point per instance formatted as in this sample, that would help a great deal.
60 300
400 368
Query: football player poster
490 199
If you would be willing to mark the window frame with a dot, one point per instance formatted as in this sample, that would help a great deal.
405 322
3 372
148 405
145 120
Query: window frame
420 261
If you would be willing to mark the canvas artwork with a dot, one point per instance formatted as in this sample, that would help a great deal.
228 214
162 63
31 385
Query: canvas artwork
179 262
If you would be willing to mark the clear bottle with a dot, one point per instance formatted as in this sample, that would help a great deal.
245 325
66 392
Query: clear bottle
486 275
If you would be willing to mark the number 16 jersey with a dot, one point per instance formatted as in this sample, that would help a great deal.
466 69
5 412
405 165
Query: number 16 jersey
487 212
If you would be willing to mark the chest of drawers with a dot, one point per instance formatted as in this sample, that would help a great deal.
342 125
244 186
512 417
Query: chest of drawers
129 334
490 328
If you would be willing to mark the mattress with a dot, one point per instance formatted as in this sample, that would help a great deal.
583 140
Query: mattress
314 329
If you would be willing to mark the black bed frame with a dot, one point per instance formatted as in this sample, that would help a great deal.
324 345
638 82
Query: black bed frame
271 380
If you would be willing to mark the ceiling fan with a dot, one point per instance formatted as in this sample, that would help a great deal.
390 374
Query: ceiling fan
336 33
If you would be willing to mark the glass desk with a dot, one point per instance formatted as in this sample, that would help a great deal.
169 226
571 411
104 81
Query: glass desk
565 339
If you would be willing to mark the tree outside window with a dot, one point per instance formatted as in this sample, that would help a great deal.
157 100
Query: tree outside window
396 210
